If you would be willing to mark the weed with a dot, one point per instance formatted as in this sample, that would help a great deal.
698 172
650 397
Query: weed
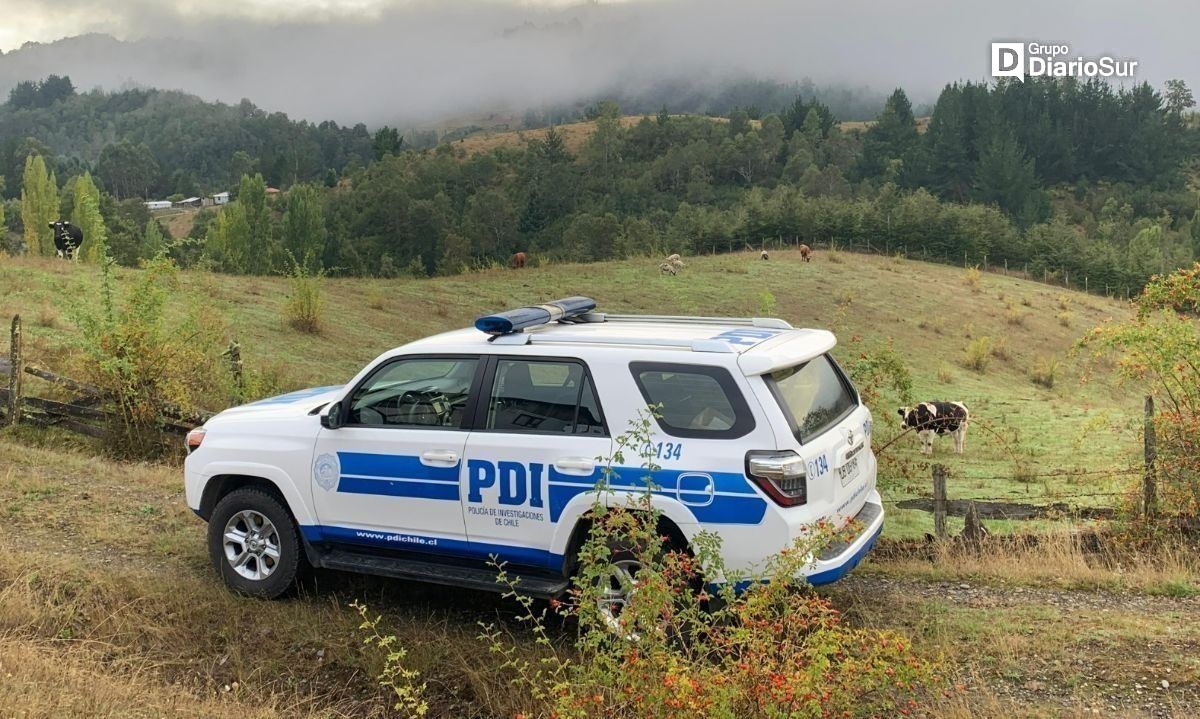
304 305
978 354
945 374
766 304
972 277
1000 350
1064 318
1045 371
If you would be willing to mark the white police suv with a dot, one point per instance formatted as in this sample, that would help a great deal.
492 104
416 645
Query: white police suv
489 443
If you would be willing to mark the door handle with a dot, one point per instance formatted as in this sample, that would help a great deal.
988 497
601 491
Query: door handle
439 456
575 464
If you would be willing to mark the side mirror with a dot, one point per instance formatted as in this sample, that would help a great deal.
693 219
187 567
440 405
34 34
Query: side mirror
331 418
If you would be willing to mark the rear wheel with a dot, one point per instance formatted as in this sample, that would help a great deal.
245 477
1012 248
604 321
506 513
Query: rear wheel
254 543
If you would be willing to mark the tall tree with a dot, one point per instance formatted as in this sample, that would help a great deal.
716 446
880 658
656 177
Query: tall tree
1007 178
153 241
128 170
304 232
39 206
387 142
85 214
227 244
252 200
892 137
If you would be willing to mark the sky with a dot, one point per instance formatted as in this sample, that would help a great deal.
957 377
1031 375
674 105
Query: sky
380 60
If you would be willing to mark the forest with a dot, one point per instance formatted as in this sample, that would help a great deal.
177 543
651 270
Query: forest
1077 179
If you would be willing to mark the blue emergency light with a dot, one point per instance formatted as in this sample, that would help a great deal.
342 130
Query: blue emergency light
504 323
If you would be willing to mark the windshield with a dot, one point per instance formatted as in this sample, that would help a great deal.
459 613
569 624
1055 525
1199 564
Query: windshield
813 395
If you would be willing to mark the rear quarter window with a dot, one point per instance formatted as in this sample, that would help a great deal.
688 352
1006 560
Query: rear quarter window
696 401
814 396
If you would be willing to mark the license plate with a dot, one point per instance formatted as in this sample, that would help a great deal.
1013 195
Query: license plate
848 471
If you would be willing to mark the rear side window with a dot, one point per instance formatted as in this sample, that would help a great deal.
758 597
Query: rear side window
814 396
696 401
544 397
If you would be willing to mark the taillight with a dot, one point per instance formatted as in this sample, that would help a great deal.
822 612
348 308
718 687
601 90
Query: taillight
780 474
194 438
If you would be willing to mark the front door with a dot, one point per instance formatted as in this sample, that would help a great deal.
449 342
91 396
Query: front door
390 476
542 424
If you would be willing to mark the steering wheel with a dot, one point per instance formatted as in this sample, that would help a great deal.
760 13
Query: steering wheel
420 406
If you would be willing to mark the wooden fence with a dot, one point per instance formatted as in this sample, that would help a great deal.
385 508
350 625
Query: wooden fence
79 406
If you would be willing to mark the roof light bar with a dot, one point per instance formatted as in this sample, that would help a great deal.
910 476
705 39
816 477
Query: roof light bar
504 323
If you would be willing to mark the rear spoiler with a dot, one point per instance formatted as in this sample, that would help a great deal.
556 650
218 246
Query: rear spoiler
786 350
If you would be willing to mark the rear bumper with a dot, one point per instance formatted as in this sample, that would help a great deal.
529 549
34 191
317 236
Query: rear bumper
838 559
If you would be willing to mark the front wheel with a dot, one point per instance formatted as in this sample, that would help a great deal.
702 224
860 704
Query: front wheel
254 544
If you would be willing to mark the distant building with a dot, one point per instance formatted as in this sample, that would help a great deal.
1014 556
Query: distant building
158 205
221 198
188 202
272 190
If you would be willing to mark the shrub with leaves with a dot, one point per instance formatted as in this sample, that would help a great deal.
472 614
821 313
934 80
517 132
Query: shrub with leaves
978 354
304 304
662 631
143 359
1045 371
972 277
1160 350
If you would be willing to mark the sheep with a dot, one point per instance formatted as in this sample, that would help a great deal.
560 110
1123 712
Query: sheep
668 268
763 254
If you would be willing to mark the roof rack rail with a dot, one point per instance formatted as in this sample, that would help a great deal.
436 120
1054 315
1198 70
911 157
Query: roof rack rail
764 322
695 345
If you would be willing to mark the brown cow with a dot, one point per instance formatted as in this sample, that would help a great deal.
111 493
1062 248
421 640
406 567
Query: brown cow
806 253
517 261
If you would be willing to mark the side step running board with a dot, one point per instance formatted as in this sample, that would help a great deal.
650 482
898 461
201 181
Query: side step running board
537 585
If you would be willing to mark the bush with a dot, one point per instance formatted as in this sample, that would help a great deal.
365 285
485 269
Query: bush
972 277
303 309
143 362
978 354
945 374
1159 349
1014 317
1064 318
677 647
1000 350
1044 371
766 304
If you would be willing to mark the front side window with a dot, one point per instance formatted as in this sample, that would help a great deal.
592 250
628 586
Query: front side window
814 395
418 392
549 397
694 400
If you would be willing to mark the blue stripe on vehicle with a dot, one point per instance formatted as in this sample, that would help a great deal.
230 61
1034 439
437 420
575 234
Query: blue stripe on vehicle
296 396
397 466
483 551
397 488
734 500
635 477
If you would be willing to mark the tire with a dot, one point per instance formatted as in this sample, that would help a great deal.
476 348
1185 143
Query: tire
254 544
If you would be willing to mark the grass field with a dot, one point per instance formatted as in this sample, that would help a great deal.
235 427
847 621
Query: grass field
108 607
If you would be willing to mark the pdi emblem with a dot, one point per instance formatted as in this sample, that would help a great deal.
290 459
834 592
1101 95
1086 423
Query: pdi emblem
326 471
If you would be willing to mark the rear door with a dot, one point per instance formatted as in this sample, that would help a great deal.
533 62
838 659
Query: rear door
830 429
539 421
390 476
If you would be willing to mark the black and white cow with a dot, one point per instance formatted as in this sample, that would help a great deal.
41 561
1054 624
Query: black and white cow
67 238
936 418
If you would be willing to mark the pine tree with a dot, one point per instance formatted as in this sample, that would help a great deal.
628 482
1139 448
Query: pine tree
1006 177
85 214
39 206
892 137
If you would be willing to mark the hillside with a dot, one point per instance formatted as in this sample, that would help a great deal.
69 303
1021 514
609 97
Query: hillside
575 134
108 607
1028 443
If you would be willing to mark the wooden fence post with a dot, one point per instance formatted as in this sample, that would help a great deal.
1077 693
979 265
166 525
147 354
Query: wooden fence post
1149 493
939 501
15 370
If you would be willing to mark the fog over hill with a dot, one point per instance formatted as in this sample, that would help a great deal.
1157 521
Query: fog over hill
380 61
